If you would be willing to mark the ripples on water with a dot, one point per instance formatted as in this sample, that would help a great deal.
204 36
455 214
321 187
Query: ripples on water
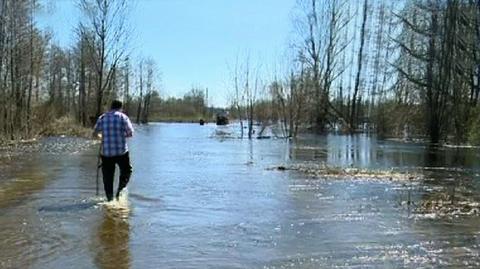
202 198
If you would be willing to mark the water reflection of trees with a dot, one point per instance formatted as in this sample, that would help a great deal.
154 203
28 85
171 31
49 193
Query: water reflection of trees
352 150
20 180
114 236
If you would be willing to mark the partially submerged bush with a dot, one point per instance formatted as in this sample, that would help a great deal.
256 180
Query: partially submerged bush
323 170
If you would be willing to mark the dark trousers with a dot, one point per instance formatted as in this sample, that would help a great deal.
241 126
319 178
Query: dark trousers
108 171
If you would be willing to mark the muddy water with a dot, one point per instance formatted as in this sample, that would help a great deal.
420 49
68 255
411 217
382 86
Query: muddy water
199 198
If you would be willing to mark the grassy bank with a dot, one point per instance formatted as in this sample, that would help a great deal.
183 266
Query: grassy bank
64 126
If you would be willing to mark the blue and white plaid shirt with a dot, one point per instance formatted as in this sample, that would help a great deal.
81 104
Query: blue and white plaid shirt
115 128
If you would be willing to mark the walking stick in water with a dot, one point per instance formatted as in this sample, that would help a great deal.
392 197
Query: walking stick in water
99 165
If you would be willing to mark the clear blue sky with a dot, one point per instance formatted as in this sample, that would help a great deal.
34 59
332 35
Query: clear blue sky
194 41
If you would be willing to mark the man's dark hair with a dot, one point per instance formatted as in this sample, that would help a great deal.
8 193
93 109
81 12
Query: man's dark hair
116 104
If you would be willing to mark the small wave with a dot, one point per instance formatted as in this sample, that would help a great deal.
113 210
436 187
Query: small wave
140 197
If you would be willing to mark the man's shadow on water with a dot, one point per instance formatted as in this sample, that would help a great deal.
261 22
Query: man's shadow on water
113 236
68 208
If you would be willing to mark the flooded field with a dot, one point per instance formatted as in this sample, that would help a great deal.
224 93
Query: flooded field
201 198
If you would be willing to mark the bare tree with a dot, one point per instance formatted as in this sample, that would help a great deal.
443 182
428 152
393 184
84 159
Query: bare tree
150 64
107 19
439 64
352 119
140 89
238 100
126 96
320 27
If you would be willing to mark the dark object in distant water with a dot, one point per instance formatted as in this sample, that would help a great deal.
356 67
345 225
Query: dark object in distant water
222 120
202 122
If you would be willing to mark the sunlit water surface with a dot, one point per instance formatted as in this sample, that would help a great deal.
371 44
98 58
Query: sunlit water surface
201 198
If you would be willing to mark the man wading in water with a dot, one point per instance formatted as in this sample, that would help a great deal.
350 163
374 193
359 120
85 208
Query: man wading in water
115 127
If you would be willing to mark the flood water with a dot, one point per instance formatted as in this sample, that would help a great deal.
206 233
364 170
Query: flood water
201 198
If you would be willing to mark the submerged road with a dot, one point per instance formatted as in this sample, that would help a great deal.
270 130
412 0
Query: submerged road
200 198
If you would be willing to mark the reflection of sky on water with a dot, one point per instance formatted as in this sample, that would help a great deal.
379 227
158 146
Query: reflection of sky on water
198 200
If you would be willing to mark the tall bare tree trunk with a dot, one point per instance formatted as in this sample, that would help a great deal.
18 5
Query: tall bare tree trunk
353 112
140 99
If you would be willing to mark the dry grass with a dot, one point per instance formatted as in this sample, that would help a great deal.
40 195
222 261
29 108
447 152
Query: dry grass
65 126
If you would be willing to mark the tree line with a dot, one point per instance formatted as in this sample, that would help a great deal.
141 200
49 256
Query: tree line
191 107
394 68
41 81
